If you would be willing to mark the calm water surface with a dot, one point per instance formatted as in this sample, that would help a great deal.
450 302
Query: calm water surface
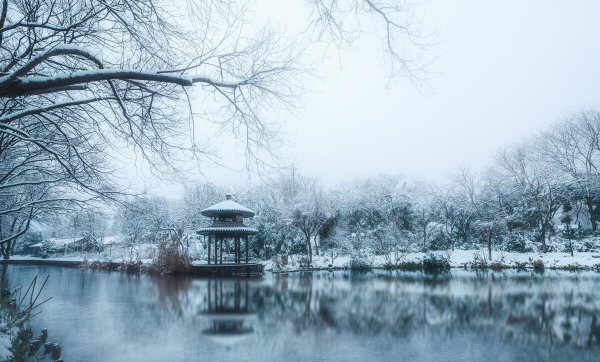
342 316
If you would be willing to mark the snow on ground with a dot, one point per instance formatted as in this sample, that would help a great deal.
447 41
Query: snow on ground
458 259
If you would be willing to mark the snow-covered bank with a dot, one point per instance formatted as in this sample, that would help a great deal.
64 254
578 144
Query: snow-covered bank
457 259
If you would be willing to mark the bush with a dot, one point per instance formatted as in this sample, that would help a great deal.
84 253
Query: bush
170 259
538 266
304 262
574 267
439 241
359 264
131 266
436 263
497 266
517 242
403 265
298 248
410 265
588 245
479 261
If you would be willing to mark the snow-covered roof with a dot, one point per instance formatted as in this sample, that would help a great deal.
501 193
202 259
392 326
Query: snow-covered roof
227 229
64 241
112 239
227 207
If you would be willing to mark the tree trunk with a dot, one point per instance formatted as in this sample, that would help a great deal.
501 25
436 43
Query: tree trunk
543 237
425 238
489 244
309 250
590 207
6 249
316 244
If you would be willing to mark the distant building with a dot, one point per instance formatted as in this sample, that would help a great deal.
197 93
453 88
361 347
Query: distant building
65 245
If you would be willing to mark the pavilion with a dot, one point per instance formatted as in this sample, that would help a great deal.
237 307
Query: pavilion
227 225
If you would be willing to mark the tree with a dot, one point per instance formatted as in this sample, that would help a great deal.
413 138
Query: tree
309 212
456 213
537 190
375 212
425 212
483 202
83 79
567 219
572 147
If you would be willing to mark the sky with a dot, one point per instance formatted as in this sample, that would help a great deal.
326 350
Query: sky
506 70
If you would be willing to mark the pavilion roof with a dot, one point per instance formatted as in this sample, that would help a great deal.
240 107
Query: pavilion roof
227 207
227 230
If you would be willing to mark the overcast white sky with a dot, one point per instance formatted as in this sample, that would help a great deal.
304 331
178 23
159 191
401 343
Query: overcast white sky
508 70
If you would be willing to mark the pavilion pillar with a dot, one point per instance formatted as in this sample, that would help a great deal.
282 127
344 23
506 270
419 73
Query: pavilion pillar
221 253
216 242
246 248
208 249
237 249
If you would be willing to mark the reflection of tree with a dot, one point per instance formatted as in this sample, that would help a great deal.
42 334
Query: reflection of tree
515 310
537 313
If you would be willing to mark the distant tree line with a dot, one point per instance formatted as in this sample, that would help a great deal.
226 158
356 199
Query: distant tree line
543 189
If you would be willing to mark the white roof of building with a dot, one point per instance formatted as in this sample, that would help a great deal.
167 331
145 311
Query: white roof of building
227 229
113 239
64 241
228 207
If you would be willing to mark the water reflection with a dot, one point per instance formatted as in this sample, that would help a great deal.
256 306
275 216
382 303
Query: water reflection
323 316
228 312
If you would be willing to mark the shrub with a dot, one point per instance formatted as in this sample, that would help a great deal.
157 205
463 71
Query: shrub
439 241
304 262
479 261
298 248
410 265
574 267
403 265
497 266
538 266
436 263
170 259
359 264
517 242
131 266
394 260
587 246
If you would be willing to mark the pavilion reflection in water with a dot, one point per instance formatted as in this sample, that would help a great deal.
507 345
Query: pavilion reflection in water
228 312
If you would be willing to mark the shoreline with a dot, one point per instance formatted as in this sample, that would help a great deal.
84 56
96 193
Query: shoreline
200 269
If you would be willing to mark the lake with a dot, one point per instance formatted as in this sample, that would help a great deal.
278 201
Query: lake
322 316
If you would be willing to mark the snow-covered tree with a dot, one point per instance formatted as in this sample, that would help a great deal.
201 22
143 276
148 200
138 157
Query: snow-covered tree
82 80
572 147
533 190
